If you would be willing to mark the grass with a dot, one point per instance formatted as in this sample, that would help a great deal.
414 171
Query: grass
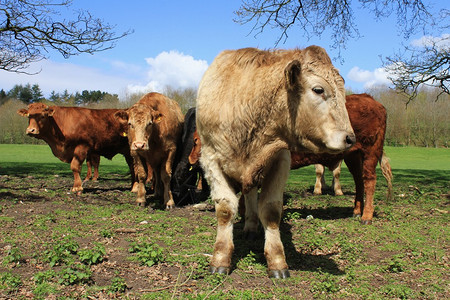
100 245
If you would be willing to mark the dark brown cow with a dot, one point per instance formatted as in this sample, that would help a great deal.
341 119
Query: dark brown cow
368 119
155 124
74 133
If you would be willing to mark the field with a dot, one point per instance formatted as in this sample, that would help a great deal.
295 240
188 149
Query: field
99 245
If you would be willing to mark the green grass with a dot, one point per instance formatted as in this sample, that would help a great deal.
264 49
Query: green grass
52 241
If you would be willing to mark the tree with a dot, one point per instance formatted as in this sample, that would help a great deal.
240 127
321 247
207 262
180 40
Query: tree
424 65
314 17
29 28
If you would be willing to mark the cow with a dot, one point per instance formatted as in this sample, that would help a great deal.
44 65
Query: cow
253 108
155 124
368 119
188 178
75 133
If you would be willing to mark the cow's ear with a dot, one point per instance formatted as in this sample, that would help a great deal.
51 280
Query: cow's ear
50 111
23 112
292 74
121 116
158 117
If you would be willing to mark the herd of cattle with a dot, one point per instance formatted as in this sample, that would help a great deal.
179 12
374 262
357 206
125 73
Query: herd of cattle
258 115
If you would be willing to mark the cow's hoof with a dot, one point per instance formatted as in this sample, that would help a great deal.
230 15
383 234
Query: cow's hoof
356 215
170 207
219 270
279 274
250 235
366 222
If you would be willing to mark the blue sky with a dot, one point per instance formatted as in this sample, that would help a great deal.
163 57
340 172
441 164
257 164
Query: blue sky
174 42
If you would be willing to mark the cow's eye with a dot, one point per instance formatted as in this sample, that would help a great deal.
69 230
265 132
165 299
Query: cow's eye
318 90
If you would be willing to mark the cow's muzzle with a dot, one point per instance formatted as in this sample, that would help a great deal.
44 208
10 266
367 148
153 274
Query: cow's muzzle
136 146
32 131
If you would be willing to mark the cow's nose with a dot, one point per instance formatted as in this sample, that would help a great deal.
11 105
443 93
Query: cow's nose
350 140
139 145
31 130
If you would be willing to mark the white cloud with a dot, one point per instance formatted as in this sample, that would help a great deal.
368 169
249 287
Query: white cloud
369 78
173 69
441 42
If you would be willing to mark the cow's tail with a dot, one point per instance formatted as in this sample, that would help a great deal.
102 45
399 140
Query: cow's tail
387 173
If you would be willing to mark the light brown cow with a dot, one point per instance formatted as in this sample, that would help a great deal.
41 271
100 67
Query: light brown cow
155 124
253 107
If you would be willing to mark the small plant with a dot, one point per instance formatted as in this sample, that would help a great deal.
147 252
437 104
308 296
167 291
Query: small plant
327 283
61 252
247 261
13 255
43 290
398 291
92 256
396 264
74 274
106 233
295 215
147 254
41 277
9 281
118 285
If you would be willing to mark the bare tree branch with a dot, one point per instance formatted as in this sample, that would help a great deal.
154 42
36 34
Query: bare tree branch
28 29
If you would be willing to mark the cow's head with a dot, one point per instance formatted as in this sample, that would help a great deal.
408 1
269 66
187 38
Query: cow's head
38 115
140 120
316 100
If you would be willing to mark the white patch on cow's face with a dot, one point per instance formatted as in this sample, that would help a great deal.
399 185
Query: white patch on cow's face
323 110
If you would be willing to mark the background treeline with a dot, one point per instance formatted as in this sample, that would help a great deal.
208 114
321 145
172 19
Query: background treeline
423 122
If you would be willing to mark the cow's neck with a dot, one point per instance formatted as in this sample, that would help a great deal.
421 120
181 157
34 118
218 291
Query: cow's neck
55 139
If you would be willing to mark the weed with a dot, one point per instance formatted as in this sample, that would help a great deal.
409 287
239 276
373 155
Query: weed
398 291
92 256
13 255
61 252
75 274
9 281
118 285
396 264
106 233
327 284
147 254
43 290
45 276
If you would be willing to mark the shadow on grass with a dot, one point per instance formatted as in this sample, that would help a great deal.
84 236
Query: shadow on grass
295 260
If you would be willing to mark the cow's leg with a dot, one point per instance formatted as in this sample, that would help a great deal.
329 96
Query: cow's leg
354 164
251 214
270 209
141 173
79 155
226 205
166 175
133 172
336 176
320 179
369 178
89 172
95 163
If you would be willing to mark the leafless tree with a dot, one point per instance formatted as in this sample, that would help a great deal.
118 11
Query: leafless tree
428 65
30 28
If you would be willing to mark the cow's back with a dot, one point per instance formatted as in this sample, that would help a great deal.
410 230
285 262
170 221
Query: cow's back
97 128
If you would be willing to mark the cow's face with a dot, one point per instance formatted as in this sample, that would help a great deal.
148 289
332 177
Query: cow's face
38 115
141 120
316 99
